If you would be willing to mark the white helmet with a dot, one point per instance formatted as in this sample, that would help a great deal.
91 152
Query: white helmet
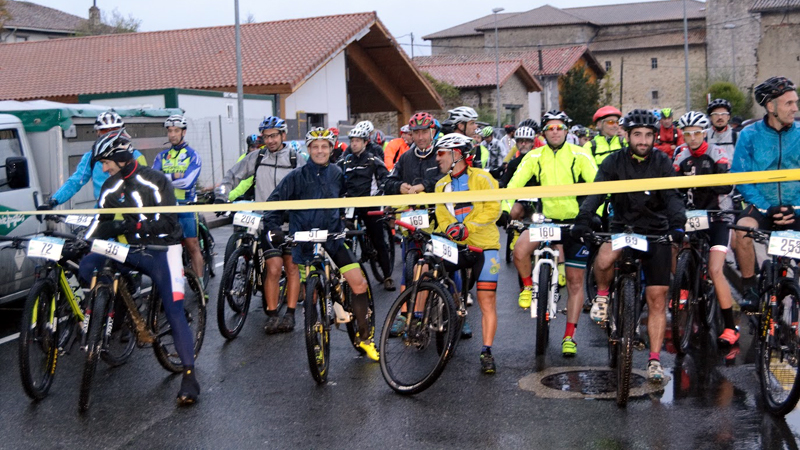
693 119
525 133
365 125
175 120
462 114
359 132
107 120
454 141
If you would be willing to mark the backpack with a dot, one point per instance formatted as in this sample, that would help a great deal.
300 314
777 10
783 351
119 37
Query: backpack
262 152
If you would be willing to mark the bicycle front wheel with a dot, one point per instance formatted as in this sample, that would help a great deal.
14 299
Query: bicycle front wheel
235 291
194 311
414 360
683 301
317 328
779 353
38 339
626 327
542 313
94 342
121 341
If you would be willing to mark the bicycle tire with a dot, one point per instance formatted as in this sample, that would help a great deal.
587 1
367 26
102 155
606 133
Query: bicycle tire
234 242
683 310
348 306
590 285
409 261
374 261
94 342
235 292
542 313
779 353
116 348
317 328
413 361
509 251
627 337
194 309
38 342
206 242
612 330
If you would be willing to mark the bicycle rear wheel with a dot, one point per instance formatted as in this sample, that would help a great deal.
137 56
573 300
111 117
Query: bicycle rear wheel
374 260
194 310
317 328
683 301
235 291
94 342
38 339
542 313
206 242
510 232
779 353
413 361
627 329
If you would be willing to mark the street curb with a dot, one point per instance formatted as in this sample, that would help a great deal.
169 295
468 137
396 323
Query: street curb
214 222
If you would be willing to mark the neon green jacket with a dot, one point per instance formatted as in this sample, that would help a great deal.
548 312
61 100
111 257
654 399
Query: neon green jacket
243 186
569 165
600 147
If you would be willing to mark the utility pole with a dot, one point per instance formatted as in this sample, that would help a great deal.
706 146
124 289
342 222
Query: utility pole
239 82
621 74
412 46
686 56
497 63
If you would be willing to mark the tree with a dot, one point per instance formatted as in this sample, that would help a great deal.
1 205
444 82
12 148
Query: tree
609 90
113 23
4 14
579 95
250 18
449 93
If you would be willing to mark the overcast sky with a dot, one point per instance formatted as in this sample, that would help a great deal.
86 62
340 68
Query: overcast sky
400 16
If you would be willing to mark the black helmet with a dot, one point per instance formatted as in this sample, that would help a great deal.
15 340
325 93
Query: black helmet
253 139
640 118
718 103
555 114
530 123
115 146
773 88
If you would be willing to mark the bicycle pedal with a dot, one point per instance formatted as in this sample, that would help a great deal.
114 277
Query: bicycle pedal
563 311
752 313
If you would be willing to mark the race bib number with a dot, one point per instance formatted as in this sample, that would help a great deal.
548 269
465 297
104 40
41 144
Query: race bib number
445 249
784 243
247 219
634 241
81 221
311 236
544 232
417 218
113 250
45 247
696 220
349 213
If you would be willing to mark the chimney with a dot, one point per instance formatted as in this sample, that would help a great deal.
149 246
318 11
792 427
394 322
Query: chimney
541 66
94 16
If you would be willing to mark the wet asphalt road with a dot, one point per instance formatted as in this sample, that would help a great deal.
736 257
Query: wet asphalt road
257 393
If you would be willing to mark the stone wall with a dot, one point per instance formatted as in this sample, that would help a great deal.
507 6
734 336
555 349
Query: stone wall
779 49
458 45
525 39
731 41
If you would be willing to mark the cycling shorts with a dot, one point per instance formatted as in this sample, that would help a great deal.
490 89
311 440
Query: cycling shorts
188 222
719 236
656 262
576 254
764 222
485 268
343 258
272 243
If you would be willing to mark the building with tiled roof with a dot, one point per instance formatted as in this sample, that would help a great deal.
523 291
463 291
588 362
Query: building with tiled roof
32 22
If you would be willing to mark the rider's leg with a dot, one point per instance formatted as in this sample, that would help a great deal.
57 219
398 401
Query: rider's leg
604 266
522 257
272 280
192 245
656 317
745 252
292 281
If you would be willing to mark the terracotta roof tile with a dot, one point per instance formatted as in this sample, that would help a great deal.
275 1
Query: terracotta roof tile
555 61
29 15
472 74
273 54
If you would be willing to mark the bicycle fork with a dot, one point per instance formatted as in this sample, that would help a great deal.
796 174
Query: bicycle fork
545 257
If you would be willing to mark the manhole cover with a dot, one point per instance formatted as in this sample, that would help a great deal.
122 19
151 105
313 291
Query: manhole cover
585 382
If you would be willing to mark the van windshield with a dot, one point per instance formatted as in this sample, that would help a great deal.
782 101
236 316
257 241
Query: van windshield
10 145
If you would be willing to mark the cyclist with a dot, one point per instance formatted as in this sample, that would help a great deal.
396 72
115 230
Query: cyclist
372 146
582 133
606 120
269 166
557 163
318 179
767 144
463 120
523 142
494 163
697 157
245 190
182 166
721 135
106 122
472 223
338 148
396 147
364 174
507 142
668 137
132 185
648 212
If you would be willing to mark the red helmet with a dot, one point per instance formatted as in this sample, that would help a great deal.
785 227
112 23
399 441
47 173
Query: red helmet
335 131
421 121
606 111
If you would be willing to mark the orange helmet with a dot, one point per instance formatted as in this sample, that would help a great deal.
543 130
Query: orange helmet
606 111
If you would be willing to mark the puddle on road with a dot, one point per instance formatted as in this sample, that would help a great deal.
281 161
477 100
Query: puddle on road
585 382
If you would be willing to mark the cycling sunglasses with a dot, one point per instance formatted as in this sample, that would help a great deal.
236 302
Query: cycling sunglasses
555 127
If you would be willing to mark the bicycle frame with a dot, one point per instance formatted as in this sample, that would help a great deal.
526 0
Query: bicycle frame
545 255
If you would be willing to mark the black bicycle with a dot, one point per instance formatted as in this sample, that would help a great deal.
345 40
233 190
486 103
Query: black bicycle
366 252
205 239
778 343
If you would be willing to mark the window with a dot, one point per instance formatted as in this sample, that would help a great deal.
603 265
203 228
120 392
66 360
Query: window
654 63
10 145
655 96
608 66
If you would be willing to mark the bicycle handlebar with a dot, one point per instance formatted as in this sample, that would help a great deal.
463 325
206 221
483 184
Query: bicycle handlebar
414 229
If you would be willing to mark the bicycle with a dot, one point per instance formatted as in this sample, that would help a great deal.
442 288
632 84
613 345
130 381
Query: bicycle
625 305
100 312
328 300
778 349
205 239
414 360
546 292
242 275
363 248
512 229
692 292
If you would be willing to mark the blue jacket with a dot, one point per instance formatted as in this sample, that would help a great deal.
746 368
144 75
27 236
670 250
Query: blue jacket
83 173
180 159
310 181
761 147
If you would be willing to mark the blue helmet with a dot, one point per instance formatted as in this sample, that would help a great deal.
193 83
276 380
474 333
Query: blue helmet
273 122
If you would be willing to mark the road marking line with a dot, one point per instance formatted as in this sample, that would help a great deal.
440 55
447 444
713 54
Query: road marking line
9 338
219 264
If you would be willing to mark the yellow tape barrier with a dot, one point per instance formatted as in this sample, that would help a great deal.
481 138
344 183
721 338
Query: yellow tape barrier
604 187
